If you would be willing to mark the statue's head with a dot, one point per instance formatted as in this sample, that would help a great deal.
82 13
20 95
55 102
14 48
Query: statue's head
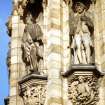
29 19
81 79
79 7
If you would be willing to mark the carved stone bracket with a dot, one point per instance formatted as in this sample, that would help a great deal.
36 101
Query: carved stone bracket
33 89
82 68
83 89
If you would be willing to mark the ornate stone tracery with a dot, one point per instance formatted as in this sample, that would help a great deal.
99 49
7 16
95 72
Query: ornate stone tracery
83 90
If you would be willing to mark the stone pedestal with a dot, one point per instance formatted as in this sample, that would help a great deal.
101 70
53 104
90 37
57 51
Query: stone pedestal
33 89
83 85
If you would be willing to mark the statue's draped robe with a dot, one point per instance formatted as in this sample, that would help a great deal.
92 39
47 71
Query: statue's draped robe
32 39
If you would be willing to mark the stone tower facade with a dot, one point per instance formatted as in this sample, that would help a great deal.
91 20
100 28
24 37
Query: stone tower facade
57 52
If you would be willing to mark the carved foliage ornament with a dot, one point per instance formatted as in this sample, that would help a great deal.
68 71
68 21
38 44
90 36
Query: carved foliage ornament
83 90
34 95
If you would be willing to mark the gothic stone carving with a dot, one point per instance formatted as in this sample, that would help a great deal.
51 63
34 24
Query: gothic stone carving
33 41
81 34
32 45
83 90
34 95
25 2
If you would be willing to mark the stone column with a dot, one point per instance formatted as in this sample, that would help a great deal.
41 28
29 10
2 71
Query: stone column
98 37
16 66
14 59
66 57
101 22
21 69
45 28
99 46
55 50
101 91
103 33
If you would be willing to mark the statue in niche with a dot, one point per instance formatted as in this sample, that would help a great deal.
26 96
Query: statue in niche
32 45
82 40
81 36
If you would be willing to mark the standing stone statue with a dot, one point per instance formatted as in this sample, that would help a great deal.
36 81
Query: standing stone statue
87 42
82 41
81 38
77 45
32 44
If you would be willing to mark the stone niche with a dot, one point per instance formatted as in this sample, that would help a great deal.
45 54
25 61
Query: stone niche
82 32
35 8
33 89
83 76
33 37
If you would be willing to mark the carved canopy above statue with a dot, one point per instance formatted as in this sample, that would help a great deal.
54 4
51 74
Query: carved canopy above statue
25 2
86 1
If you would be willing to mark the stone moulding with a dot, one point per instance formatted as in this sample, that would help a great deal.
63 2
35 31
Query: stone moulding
83 68
32 76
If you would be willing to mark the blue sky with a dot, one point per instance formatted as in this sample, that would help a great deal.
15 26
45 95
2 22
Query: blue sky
5 11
